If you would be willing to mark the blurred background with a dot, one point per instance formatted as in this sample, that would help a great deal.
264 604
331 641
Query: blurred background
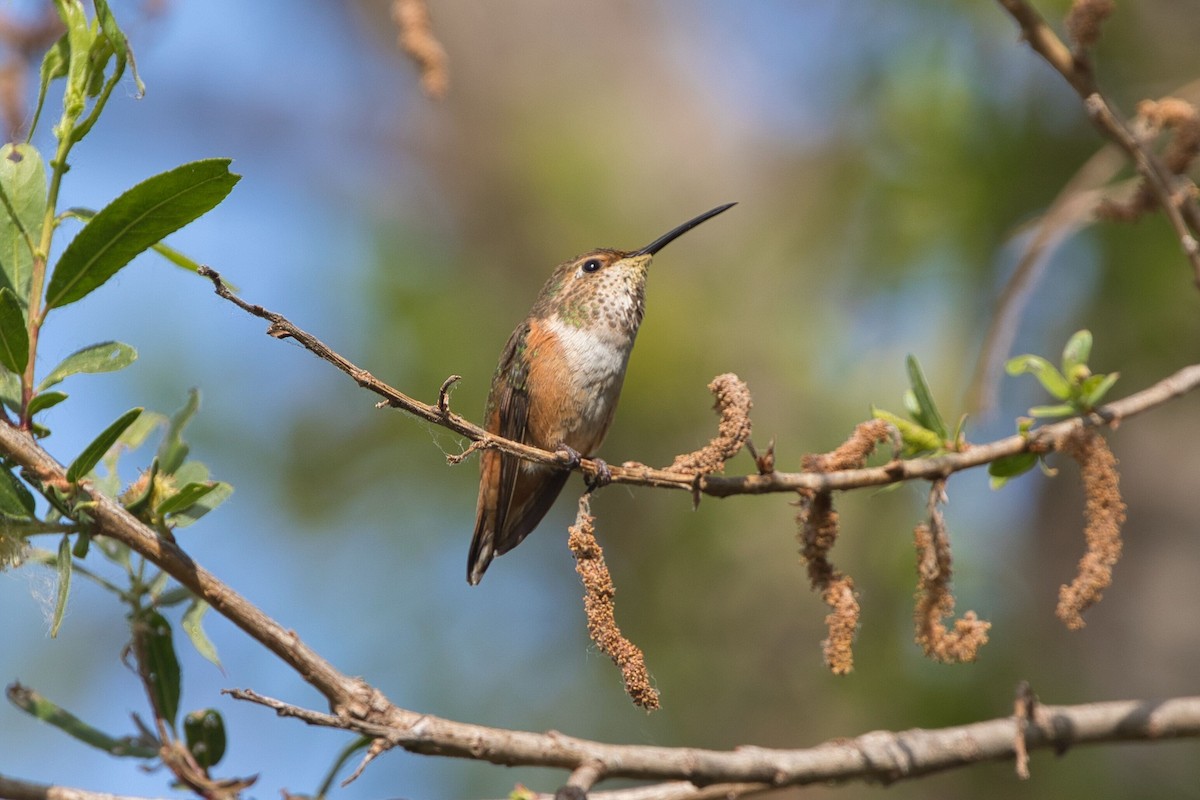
885 157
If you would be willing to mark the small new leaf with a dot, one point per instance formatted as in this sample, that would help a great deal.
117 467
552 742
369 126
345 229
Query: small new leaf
928 415
186 497
54 66
173 450
14 338
41 402
219 494
916 438
136 220
102 357
95 451
1049 376
1095 387
1077 351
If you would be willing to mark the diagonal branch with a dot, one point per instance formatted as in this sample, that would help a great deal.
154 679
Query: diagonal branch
1041 440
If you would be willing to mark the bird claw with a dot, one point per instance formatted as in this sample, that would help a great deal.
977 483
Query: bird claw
570 454
603 476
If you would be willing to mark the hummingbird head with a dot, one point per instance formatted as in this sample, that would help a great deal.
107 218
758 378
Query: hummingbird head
604 287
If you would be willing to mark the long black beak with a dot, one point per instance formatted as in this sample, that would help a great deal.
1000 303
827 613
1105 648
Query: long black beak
667 238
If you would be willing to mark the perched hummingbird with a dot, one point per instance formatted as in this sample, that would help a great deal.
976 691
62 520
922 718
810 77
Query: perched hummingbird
557 384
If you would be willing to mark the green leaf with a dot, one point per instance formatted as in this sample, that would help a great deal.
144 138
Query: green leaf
63 562
1077 351
14 338
95 358
108 24
79 38
133 222
54 66
1095 387
192 625
47 711
173 450
23 182
10 391
917 439
41 402
158 664
192 472
169 253
186 497
16 501
219 494
204 732
1008 467
92 454
1050 412
929 416
1044 371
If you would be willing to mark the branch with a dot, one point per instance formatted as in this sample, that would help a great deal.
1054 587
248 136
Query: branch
1041 440
13 789
878 756
1180 208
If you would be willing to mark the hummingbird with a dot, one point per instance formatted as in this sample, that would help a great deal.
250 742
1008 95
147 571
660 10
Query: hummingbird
557 385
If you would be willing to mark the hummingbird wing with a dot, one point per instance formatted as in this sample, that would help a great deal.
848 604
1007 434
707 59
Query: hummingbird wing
514 494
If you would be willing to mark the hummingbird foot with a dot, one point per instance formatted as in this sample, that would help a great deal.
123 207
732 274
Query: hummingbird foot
569 453
602 478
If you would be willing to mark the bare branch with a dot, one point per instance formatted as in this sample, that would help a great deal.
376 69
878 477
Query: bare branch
1180 207
13 789
878 756
1041 440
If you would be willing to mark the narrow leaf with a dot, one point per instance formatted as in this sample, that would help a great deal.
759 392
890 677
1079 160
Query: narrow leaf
929 417
220 493
173 450
95 451
1011 466
158 665
1059 410
133 222
41 402
102 357
47 711
23 182
63 563
16 501
14 338
192 626
188 496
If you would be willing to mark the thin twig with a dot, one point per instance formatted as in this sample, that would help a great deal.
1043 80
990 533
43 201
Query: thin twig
1041 440
1180 208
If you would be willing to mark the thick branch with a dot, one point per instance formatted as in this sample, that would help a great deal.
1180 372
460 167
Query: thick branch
879 756
1041 440
13 789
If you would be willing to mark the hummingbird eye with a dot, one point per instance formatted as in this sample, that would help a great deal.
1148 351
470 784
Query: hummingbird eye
591 265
